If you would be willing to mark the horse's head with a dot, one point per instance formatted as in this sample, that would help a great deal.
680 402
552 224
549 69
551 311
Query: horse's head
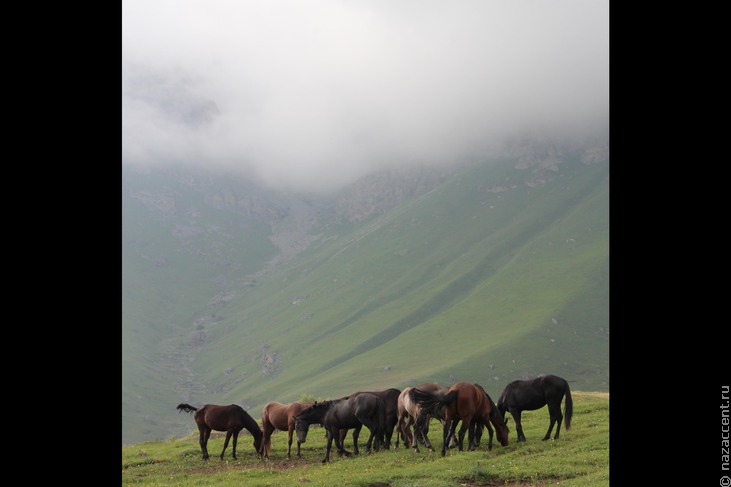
258 441
501 426
301 428
502 434
312 414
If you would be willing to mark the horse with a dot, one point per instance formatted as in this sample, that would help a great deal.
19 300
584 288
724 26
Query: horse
278 416
532 394
231 419
410 412
495 417
464 402
334 415
390 398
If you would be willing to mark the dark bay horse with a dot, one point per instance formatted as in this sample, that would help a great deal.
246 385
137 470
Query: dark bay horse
352 413
231 419
390 399
278 416
532 394
495 418
411 413
467 403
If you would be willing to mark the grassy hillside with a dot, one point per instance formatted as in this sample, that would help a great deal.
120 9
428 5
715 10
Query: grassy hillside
496 274
580 457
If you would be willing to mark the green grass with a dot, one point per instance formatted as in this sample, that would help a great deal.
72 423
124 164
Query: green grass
580 457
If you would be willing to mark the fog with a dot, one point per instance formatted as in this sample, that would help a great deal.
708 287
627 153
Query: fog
312 94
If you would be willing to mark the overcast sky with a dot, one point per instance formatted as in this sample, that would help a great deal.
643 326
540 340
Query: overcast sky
314 93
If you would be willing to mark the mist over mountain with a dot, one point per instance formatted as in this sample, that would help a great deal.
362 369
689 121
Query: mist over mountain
484 270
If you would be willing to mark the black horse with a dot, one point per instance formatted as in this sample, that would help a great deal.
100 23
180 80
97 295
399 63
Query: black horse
351 413
390 399
529 395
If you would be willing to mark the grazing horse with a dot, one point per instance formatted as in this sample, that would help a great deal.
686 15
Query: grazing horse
410 412
464 402
390 398
532 394
495 418
277 416
231 419
354 412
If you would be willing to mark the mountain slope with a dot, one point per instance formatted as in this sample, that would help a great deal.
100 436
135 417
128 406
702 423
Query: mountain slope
486 273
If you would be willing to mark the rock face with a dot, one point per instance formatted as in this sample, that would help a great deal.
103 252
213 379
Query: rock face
376 194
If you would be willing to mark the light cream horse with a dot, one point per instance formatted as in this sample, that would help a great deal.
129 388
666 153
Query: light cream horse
411 413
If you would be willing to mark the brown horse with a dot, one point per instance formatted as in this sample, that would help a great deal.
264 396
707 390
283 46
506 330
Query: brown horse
410 412
231 419
495 417
277 416
390 398
467 403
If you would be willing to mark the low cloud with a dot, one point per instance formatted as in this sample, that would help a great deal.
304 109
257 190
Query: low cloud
311 95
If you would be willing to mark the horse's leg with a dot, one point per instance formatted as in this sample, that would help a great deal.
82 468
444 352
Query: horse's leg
399 432
470 434
414 437
464 427
554 411
387 435
330 437
407 435
356 434
236 439
205 433
518 425
373 432
340 445
225 443
421 424
445 436
342 435
265 441
489 432
419 435
290 432
478 433
452 438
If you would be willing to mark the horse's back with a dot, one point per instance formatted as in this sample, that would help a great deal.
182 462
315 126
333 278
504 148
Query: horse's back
346 412
533 393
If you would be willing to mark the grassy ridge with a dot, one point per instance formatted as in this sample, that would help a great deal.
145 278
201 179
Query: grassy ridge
579 458
457 282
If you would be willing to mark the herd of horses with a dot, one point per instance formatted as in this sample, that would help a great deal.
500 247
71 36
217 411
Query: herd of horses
391 411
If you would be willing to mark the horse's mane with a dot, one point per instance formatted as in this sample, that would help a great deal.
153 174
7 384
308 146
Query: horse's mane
323 405
252 425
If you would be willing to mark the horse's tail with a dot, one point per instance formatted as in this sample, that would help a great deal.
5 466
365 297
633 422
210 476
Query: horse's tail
432 403
382 421
568 407
187 408
265 415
